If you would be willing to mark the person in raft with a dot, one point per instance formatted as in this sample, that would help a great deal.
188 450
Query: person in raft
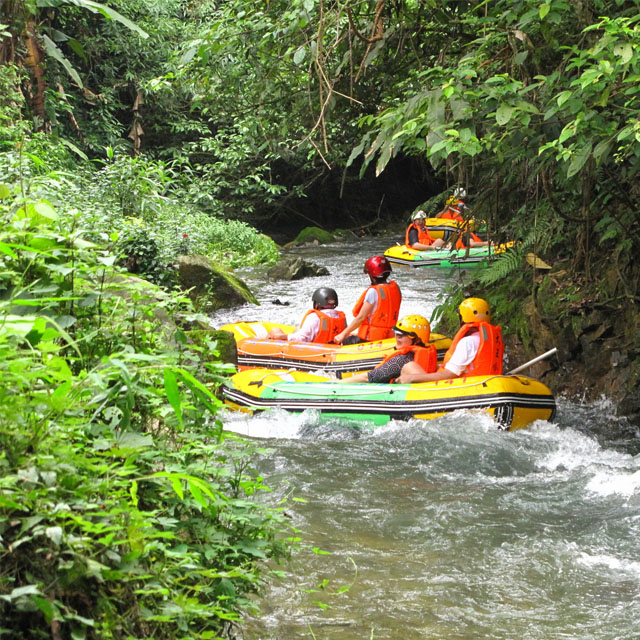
376 311
476 349
417 235
320 324
412 345
454 207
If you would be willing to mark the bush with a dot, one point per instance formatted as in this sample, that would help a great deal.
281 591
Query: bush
125 510
138 197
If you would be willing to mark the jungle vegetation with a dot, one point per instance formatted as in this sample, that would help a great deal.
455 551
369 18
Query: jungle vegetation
160 127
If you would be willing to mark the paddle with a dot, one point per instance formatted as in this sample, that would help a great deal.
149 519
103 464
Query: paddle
546 354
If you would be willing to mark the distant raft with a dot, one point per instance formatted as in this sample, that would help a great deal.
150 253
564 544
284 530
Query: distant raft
514 401
475 256
255 350
445 228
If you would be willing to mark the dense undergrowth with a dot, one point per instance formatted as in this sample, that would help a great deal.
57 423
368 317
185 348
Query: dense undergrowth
125 511
133 132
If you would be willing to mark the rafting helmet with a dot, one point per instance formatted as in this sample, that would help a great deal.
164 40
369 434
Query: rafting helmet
415 325
459 193
324 298
377 267
474 310
419 215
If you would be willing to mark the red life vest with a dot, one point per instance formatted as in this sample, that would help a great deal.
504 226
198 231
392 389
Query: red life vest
488 360
379 325
423 236
329 327
426 357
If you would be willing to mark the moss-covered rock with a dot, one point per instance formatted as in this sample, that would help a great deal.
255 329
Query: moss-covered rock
312 235
210 285
598 347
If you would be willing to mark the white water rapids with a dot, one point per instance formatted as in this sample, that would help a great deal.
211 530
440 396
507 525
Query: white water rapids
441 529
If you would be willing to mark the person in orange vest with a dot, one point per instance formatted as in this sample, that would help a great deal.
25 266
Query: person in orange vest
476 349
454 206
417 235
412 345
320 324
376 311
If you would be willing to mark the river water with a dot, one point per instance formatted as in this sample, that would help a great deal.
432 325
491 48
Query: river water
447 528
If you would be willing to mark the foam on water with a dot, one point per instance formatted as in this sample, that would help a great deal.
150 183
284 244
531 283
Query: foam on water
615 482
615 565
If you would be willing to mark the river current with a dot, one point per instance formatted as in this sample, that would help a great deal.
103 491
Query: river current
447 528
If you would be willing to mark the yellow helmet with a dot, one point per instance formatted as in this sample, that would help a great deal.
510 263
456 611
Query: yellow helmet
415 325
474 310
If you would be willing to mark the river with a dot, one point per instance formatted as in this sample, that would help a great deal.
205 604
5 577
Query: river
447 528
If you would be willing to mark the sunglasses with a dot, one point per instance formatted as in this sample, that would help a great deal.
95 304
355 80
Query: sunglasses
403 334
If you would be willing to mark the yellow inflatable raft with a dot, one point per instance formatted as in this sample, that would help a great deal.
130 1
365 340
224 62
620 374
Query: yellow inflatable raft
514 401
475 256
446 227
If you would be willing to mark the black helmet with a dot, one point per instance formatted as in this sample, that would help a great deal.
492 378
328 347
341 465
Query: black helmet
324 298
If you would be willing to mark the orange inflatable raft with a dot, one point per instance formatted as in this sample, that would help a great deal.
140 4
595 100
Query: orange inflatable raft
255 350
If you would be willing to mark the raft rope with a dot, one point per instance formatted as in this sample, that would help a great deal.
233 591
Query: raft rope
310 356
343 350
368 388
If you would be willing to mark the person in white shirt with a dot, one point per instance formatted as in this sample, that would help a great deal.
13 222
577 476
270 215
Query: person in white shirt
463 355
320 324
466 356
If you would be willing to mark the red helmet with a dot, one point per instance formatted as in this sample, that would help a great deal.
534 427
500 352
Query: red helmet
377 267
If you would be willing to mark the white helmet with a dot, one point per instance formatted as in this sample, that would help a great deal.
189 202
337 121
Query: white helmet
460 193
419 215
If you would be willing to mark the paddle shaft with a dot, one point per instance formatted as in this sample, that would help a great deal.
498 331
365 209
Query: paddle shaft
546 354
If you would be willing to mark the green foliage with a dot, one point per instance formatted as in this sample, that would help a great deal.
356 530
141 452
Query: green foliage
503 266
141 255
230 242
540 98
125 510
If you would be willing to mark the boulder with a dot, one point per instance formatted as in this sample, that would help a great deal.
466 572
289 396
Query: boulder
295 268
312 235
210 285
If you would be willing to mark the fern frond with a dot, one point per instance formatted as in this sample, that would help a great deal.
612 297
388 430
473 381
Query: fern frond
502 266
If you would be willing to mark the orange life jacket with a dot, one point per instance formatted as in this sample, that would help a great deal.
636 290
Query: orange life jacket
423 236
488 360
426 357
379 325
329 327
450 213
460 242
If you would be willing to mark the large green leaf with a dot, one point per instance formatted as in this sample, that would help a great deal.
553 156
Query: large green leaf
579 159
52 49
504 114
112 14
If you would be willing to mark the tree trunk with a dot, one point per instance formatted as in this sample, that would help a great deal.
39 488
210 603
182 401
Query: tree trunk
33 62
